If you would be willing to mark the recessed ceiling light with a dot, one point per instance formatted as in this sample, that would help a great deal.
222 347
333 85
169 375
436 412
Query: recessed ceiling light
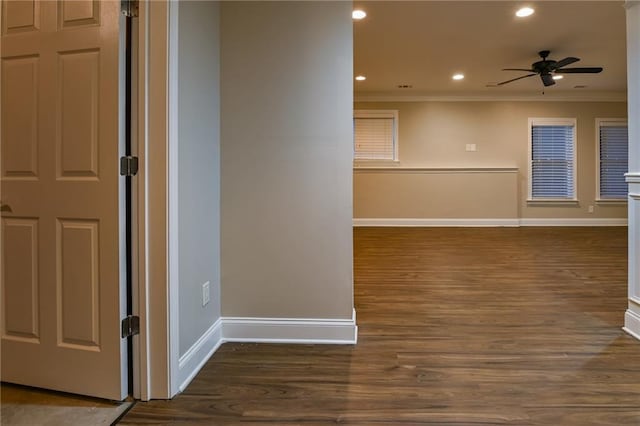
458 76
558 77
524 12
358 14
361 78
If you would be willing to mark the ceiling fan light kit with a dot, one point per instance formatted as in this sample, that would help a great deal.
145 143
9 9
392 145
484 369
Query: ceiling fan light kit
547 68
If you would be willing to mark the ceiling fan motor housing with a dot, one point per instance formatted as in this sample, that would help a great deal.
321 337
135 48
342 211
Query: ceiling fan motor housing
544 66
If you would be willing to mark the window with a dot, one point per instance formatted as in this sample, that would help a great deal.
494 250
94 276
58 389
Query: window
375 135
612 158
552 159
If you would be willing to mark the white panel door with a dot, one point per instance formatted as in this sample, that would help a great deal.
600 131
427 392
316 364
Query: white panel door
61 289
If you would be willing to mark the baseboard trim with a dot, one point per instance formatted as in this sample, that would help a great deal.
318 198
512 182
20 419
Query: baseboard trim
362 222
391 222
263 330
291 330
632 323
573 222
194 359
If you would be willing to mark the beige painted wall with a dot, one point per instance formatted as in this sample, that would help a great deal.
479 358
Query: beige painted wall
450 194
286 200
434 134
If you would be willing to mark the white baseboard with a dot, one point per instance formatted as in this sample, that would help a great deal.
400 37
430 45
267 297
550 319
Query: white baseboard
363 222
194 359
434 222
632 323
291 330
573 222
263 330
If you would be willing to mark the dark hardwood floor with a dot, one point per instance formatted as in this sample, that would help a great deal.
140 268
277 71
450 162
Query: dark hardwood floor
457 326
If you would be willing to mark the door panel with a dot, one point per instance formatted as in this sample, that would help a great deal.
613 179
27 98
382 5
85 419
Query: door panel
78 13
20 16
78 284
20 268
77 142
20 122
61 289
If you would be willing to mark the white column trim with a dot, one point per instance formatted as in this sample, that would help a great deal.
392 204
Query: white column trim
634 246
632 315
632 323
632 177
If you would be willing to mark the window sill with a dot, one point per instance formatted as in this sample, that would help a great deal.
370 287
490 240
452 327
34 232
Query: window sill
553 202
612 202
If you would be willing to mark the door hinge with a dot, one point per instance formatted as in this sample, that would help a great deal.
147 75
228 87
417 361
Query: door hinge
130 326
128 166
129 8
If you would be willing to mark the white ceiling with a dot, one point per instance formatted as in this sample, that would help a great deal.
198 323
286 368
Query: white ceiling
423 43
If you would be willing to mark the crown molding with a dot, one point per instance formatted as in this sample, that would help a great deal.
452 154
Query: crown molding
490 97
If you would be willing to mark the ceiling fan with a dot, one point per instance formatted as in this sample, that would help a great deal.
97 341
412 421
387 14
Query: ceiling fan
546 68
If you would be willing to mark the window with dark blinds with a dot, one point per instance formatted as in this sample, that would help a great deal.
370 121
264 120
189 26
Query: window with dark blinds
613 150
552 160
375 135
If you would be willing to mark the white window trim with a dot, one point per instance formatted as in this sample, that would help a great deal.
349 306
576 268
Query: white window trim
544 121
380 113
599 199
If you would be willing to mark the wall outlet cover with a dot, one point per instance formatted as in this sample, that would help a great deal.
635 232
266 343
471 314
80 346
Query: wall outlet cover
206 293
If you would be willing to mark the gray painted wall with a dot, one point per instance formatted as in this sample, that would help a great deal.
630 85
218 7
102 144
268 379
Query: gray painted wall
198 166
287 100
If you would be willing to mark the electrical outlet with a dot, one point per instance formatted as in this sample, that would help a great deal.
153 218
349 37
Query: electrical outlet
206 293
471 147
590 209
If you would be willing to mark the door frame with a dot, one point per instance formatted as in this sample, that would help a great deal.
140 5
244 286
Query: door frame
151 368
173 203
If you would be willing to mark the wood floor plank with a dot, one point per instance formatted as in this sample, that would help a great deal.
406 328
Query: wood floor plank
457 326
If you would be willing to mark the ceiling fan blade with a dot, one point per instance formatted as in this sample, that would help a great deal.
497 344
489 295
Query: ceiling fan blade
518 69
547 79
587 70
564 62
514 79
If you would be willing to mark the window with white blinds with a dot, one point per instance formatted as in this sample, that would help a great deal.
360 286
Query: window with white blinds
375 135
613 152
552 159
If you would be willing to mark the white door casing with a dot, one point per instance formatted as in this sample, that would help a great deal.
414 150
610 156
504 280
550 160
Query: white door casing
61 287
